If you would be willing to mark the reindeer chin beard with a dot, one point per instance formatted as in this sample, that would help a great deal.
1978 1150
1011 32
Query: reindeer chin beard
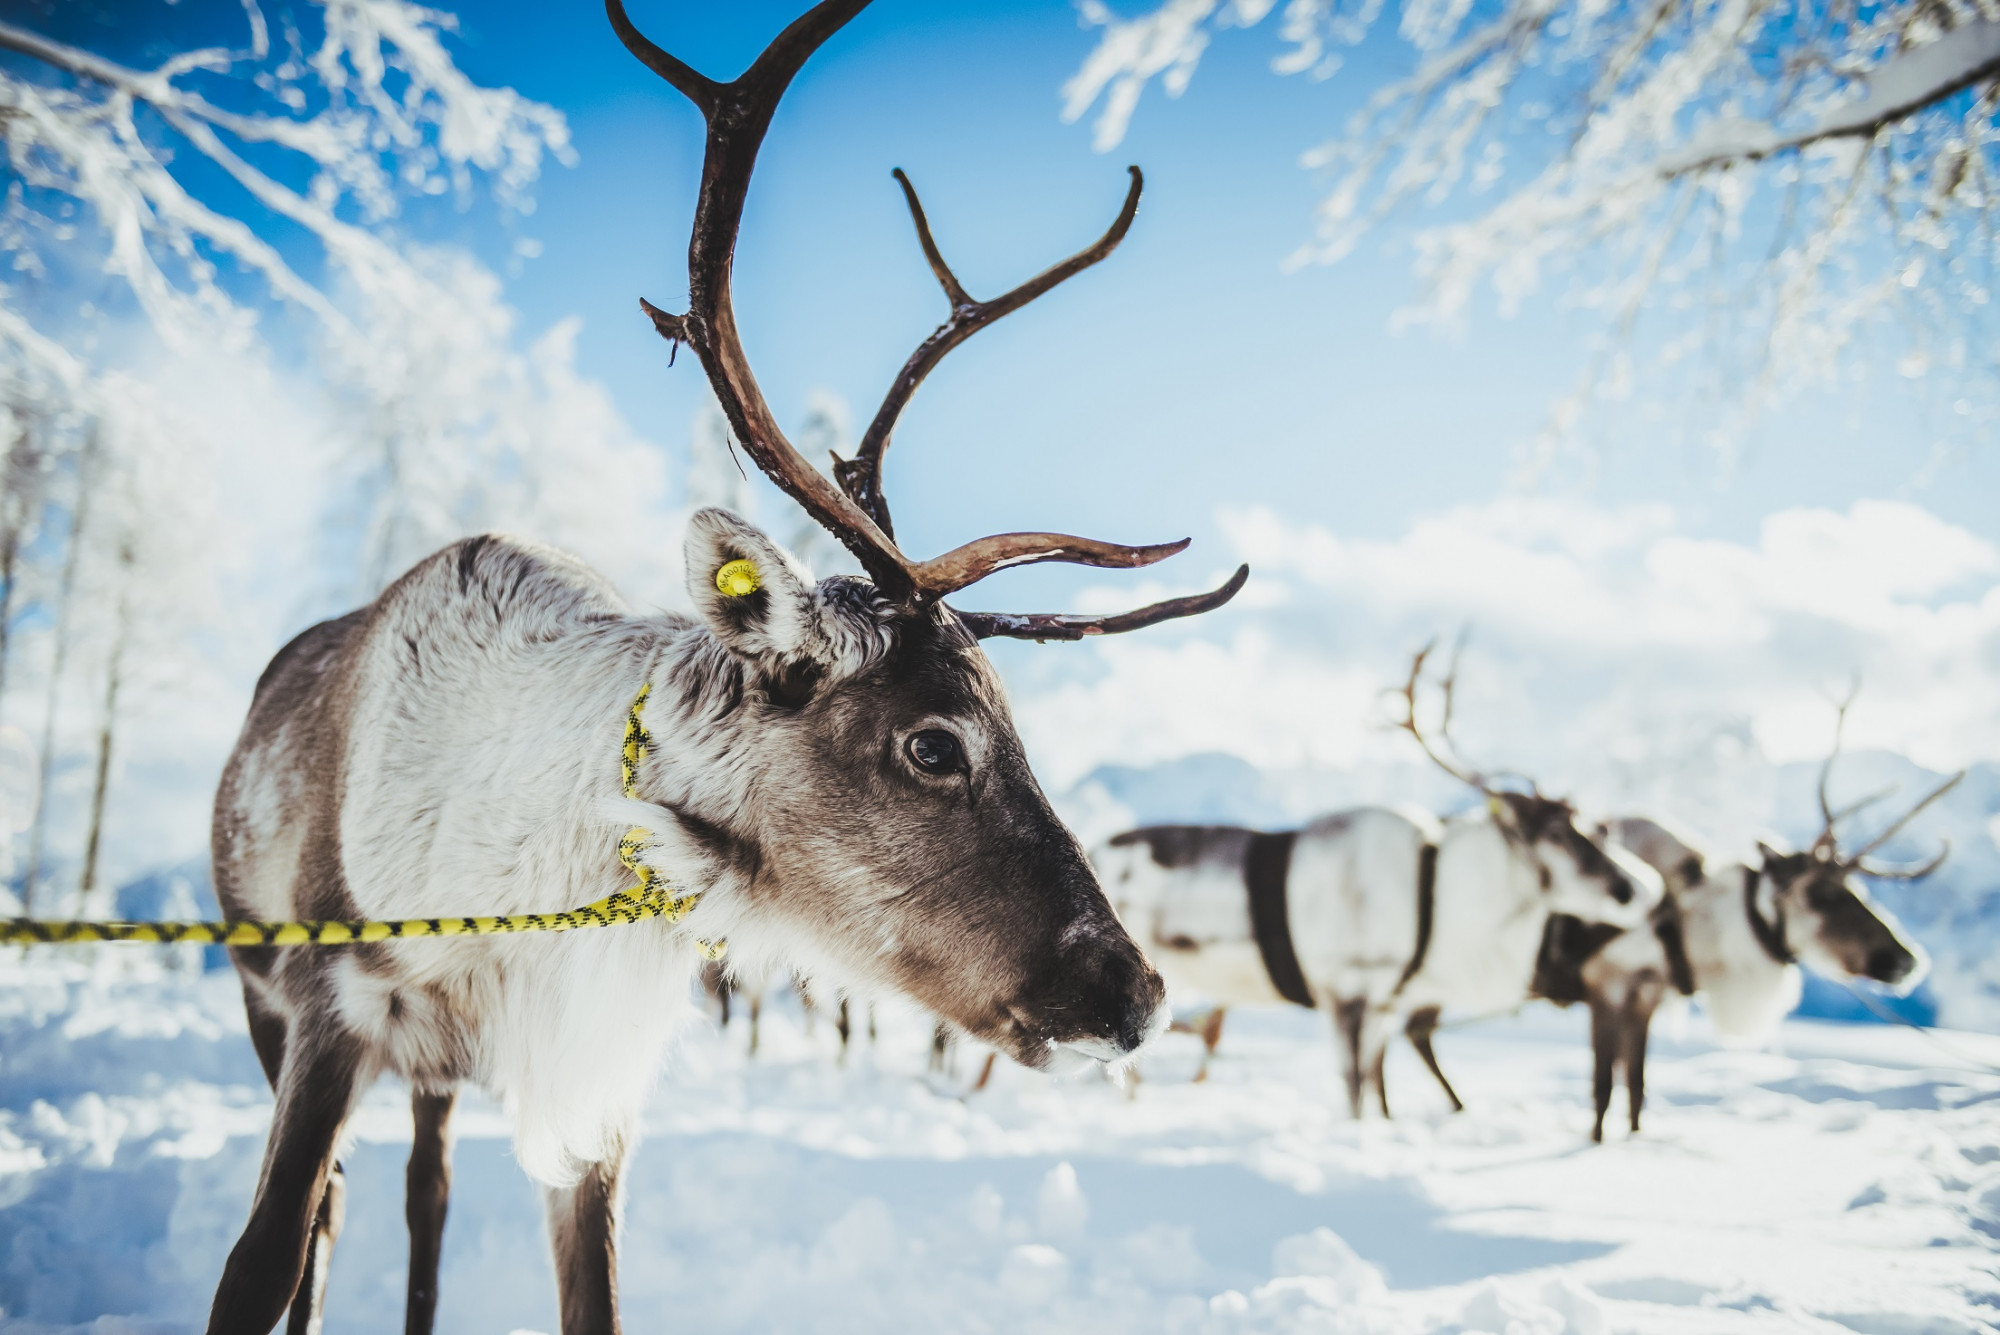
1073 1056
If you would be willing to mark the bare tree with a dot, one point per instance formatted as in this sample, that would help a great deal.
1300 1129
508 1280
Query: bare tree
107 722
61 641
1783 185
22 481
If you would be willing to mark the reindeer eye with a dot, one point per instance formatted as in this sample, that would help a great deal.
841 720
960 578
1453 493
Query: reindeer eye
935 751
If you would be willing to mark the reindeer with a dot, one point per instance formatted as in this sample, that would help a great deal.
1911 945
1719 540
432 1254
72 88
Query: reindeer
1745 931
825 773
1373 915
1623 975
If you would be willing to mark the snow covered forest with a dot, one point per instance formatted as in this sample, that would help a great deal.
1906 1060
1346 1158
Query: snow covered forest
291 297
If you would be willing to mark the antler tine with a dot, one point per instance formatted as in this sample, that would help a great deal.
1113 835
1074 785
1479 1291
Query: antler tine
861 476
1906 818
697 88
1826 811
1916 873
954 291
1408 723
1043 626
1860 805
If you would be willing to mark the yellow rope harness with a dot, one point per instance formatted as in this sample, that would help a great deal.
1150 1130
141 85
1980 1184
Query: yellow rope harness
650 898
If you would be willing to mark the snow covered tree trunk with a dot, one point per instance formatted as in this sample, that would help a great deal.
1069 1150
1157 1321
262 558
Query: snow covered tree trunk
59 647
18 501
114 674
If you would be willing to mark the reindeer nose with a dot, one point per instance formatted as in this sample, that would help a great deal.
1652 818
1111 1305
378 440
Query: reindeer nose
1118 997
1147 1013
1890 964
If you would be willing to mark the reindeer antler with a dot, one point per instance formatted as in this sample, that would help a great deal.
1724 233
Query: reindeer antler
737 115
1916 873
861 476
1408 723
1908 816
1828 844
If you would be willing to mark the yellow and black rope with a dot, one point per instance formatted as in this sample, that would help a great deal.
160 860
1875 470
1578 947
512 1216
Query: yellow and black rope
647 900
624 907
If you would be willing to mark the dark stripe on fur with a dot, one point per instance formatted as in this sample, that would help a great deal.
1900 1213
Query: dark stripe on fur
1427 879
1770 934
1673 941
1568 943
1267 863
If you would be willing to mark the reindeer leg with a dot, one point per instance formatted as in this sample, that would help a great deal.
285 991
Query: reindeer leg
1348 1017
428 1193
723 992
1639 1009
1604 1057
1422 1024
583 1227
756 1014
320 1076
327 1222
843 1024
1211 1034
267 1036
1375 1078
985 1072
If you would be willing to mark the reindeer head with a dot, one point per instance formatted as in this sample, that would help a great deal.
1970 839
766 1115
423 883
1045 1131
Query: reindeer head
1810 906
1579 872
894 819
1584 874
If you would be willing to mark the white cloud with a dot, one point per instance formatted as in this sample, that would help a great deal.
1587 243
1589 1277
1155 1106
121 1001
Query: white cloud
1611 654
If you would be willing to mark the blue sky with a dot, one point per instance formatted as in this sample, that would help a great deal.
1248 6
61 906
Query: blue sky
1187 373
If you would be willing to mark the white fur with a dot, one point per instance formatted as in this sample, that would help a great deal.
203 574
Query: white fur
501 732
1746 992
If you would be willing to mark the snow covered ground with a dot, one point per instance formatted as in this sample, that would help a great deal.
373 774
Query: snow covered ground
1850 1184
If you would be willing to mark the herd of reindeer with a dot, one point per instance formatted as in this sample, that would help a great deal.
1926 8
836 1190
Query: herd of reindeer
1387 918
825 775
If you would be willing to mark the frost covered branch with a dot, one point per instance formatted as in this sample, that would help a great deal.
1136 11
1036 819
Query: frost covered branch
1785 175
376 109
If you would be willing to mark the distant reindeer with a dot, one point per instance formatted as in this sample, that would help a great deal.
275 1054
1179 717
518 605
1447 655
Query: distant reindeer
1625 975
1379 917
1746 930
830 768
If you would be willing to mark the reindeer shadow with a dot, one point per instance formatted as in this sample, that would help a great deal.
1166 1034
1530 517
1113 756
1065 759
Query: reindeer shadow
1897 1091
1237 1216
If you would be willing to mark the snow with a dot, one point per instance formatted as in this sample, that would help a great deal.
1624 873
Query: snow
1850 1182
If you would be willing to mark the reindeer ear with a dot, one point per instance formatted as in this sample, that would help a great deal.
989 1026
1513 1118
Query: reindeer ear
1768 855
753 594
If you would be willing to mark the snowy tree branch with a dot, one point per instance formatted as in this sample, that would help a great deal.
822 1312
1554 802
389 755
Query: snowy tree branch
1571 129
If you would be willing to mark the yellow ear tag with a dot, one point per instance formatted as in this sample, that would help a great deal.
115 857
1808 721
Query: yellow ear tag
738 579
